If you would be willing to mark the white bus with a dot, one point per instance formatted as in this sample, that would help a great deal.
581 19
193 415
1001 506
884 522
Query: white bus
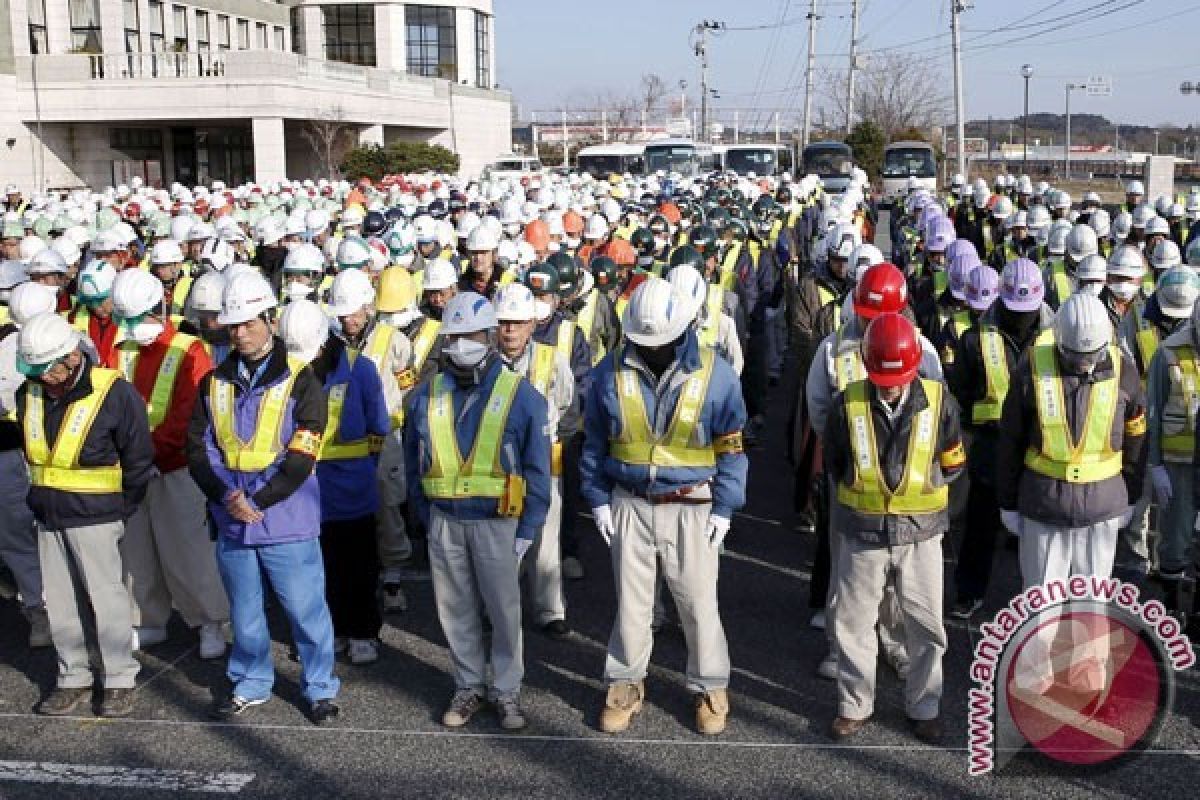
904 160
761 159
684 156
603 160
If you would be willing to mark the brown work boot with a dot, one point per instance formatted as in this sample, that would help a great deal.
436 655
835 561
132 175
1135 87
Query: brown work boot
63 701
621 703
711 710
928 731
845 727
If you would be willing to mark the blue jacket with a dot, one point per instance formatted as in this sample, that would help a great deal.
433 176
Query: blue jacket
524 449
349 489
723 412
581 352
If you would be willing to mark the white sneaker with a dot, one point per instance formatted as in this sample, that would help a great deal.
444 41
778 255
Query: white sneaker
212 641
39 627
828 668
817 620
363 651
148 637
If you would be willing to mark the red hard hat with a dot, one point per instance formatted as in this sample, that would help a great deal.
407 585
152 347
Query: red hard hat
882 289
891 350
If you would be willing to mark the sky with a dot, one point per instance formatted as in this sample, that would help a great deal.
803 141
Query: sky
560 53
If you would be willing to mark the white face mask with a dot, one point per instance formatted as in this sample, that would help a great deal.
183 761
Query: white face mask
512 229
1124 291
407 259
572 243
297 291
542 310
466 353
145 333
1092 288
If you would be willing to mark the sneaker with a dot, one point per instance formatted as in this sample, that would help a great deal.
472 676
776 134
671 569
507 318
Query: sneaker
394 600
212 641
622 702
363 651
712 709
828 668
39 627
817 620
963 609
323 711
63 701
509 710
116 703
148 637
557 630
463 706
572 569
234 705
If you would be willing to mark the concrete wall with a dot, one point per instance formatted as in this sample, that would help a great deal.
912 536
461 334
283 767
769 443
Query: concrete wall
482 129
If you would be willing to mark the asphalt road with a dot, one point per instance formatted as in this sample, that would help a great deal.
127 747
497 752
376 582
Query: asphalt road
388 741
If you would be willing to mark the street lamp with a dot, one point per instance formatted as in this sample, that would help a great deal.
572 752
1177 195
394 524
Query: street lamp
1026 73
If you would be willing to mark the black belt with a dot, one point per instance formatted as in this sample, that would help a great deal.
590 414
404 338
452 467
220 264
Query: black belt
683 495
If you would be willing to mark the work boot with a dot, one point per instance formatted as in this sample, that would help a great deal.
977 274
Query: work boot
463 706
323 711
928 731
39 627
845 727
63 701
508 708
620 704
116 703
712 708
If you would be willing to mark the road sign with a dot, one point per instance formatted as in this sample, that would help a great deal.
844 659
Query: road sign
1098 86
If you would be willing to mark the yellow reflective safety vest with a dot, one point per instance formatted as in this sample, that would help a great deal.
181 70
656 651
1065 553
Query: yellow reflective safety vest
1146 337
377 346
848 366
332 447
266 444
1061 457
995 370
128 353
449 476
869 492
541 373
586 320
1178 441
827 296
82 317
714 304
637 444
1059 278
179 294
729 266
940 281
57 466
423 345
566 339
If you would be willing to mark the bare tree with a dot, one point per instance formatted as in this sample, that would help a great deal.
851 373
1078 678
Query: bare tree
652 91
893 90
328 135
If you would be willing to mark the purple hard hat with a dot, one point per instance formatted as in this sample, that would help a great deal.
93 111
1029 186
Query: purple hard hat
959 269
939 234
958 246
983 284
1021 286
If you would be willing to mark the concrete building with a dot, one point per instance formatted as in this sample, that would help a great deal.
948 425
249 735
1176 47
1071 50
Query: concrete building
93 92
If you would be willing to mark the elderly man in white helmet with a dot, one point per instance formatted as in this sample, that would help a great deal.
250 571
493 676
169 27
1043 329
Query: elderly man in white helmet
483 513
663 470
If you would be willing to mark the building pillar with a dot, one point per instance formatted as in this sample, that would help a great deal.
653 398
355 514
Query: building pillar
314 43
464 44
112 26
371 135
390 50
270 154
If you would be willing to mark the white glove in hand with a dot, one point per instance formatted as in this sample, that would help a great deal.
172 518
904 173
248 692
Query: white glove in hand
1011 521
602 516
521 547
1124 520
1162 485
718 528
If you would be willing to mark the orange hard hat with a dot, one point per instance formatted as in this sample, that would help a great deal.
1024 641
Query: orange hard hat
882 289
537 234
622 253
572 224
891 351
671 212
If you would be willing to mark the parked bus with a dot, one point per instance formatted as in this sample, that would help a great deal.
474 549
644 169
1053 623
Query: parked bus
761 159
904 160
684 156
832 162
603 160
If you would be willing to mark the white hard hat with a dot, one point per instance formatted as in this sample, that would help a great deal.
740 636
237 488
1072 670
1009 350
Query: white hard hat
468 312
1082 324
1062 200
657 314
514 303
304 258
247 296
1176 291
1127 262
425 228
1121 225
1039 218
135 293
166 251
107 242
43 340
304 328
482 238
690 284
181 227
1142 215
1101 222
352 217
207 293
96 279
12 273
441 274
46 261
353 253
1158 225
1135 187
316 220
1081 242
596 228
1003 208
217 255
1091 268
467 223
1165 255
201 231
351 290
843 240
66 247
30 299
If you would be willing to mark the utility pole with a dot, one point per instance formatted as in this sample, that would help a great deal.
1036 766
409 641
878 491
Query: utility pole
808 73
1067 144
956 8
700 48
853 66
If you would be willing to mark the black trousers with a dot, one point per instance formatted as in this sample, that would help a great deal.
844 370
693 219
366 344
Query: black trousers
973 571
573 503
351 557
818 586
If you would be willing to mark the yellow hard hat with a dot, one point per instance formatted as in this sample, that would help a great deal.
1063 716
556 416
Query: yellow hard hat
397 290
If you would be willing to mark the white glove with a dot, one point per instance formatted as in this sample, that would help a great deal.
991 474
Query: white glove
1196 524
1124 520
521 547
718 528
1162 485
1011 521
602 516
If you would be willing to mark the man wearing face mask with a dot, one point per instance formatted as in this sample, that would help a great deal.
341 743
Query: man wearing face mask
428 248
482 514
302 273
270 254
166 549
90 460
93 314
593 308
664 470
439 286
166 264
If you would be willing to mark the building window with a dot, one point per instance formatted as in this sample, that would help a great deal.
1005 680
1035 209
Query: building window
297 32
243 34
155 8
483 51
179 18
37 27
280 38
223 33
349 32
202 32
431 48
133 35
85 25
260 32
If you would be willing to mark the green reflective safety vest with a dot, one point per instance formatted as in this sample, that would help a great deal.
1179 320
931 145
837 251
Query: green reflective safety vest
265 444
332 447
480 475
996 375
128 353
729 266
848 366
714 304
1178 441
636 442
57 466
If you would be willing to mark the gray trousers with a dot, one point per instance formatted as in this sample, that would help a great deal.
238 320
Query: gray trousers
1176 523
671 534
18 538
474 570
1137 542
395 547
862 575
544 563
82 566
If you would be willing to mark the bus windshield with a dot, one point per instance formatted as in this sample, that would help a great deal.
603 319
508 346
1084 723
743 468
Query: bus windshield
760 162
828 163
904 162
671 158
602 164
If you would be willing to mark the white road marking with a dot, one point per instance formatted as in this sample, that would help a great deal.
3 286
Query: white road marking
175 780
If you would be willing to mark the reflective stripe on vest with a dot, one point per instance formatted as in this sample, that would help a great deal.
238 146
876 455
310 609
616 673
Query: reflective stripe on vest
179 294
541 368
729 266
916 494
587 322
128 353
449 478
58 467
826 296
940 281
1060 279
423 343
636 442
1147 340
848 364
995 371
1179 410
1092 459
82 317
714 304
332 447
566 339
379 344
265 445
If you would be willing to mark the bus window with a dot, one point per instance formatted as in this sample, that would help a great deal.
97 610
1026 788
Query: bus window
904 162
759 161
828 163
